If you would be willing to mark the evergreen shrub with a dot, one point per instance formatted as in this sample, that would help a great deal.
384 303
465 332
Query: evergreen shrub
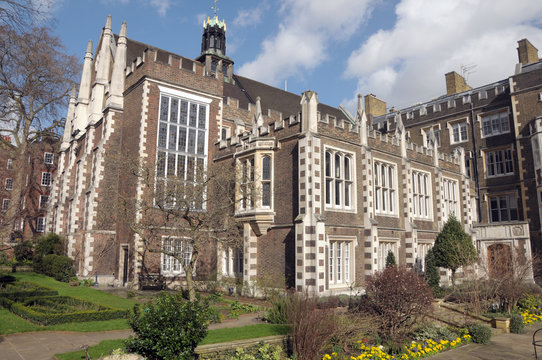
59 267
481 333
516 324
169 327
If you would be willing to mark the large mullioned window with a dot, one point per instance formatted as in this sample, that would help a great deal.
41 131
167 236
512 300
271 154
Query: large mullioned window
340 262
450 198
385 188
495 124
503 208
174 251
339 176
499 163
421 198
182 148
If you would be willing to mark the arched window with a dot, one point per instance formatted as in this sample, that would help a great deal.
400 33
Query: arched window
212 41
339 175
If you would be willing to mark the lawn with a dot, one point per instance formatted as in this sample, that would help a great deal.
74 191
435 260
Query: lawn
11 323
213 337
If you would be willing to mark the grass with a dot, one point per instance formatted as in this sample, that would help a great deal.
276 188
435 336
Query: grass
11 323
213 337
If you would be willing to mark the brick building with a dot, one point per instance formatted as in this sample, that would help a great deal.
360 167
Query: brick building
30 221
334 194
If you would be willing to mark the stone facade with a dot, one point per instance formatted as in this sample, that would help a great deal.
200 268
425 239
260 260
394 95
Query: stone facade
333 192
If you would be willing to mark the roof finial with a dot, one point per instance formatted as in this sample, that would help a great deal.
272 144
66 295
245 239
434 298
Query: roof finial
215 8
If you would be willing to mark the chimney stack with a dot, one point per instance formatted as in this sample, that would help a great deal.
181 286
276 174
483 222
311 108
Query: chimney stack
527 53
455 83
374 107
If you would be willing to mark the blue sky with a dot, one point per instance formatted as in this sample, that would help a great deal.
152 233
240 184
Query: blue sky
398 50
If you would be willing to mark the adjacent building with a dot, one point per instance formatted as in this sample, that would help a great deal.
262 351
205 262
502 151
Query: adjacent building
331 193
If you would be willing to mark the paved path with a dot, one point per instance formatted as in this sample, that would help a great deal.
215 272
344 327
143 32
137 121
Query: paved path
504 346
42 345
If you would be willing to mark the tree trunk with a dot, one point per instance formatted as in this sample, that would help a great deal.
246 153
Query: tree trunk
15 209
453 278
190 283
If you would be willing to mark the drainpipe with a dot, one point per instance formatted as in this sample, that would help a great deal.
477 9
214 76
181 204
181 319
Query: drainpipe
475 159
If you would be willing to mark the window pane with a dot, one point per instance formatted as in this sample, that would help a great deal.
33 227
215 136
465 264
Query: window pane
181 159
337 166
184 112
347 194
201 142
182 138
328 192
266 168
191 141
328 164
164 105
174 110
202 116
162 135
172 143
171 164
347 168
161 164
266 194
337 192
193 114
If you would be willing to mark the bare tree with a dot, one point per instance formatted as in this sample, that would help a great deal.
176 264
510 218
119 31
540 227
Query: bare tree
35 78
183 217
17 13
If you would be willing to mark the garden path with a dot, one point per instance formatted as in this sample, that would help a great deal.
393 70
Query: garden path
42 345
503 346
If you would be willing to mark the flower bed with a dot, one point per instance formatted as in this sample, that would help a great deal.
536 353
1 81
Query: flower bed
531 315
416 350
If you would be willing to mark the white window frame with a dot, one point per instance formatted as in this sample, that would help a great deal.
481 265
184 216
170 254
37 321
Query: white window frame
169 265
5 204
8 184
232 262
247 172
168 148
46 178
506 204
436 107
466 99
493 124
422 207
9 164
339 189
43 204
450 198
48 158
421 253
459 128
384 246
499 162
425 134
385 188
482 95
40 224
266 181
340 261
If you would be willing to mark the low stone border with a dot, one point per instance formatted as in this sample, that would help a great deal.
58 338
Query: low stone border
219 351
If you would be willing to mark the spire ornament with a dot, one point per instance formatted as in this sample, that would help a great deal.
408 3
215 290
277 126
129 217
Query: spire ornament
215 8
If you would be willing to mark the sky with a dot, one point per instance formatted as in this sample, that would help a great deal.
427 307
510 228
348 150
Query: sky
398 50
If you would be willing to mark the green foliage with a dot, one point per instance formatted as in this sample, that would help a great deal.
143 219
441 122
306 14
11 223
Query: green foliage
435 332
432 275
529 301
258 352
19 291
516 324
481 333
6 279
278 313
59 267
46 245
60 309
23 251
168 327
390 259
453 247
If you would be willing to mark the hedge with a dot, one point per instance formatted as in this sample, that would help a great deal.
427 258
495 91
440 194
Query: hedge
48 318
22 295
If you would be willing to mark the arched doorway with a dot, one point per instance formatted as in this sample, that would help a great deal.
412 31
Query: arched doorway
499 258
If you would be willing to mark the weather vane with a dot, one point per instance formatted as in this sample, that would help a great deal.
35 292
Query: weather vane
215 8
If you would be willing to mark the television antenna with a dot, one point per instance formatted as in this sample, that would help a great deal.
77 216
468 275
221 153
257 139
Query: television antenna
466 70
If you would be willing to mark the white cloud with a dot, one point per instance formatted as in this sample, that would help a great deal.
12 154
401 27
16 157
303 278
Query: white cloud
251 17
200 18
407 64
161 6
307 30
